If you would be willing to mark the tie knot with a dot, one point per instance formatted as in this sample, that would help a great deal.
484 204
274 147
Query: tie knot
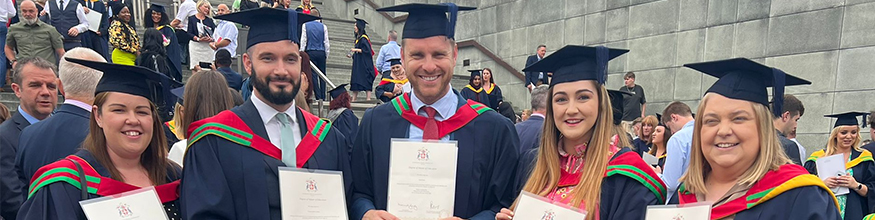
429 111
283 118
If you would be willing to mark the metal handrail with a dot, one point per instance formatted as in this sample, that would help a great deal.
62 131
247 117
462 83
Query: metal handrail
327 82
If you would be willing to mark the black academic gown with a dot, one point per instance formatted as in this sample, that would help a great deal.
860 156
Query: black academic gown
60 200
485 175
856 206
174 52
380 89
641 147
347 124
224 180
481 97
494 96
808 202
363 70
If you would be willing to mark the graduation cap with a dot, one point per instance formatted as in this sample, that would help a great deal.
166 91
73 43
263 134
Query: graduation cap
270 24
178 92
476 72
360 24
157 8
574 63
741 78
337 91
617 104
426 20
659 120
134 80
395 61
848 118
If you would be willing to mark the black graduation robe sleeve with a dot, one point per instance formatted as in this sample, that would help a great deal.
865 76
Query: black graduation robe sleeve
347 124
362 173
504 178
524 168
868 180
811 167
380 89
624 198
495 98
808 202
204 192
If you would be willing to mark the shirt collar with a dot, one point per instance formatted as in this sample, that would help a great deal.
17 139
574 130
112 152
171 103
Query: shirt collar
79 104
268 113
445 106
30 119
538 114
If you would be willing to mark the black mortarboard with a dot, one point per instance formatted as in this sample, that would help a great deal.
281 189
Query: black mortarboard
477 72
337 91
848 118
659 119
157 8
425 20
134 80
178 92
270 24
574 63
360 24
395 61
741 78
617 104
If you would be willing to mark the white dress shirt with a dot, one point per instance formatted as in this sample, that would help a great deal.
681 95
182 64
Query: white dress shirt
7 10
445 107
186 9
226 30
272 124
80 13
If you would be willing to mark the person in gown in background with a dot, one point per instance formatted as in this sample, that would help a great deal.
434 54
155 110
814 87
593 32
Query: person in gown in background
473 90
393 84
363 69
156 17
491 89
859 177
341 115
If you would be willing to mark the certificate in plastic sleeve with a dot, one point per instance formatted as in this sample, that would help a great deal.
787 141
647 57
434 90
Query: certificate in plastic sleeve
422 179
531 206
692 211
312 194
136 204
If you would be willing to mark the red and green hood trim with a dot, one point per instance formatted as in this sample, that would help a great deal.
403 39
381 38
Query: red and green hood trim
627 164
786 178
65 171
464 114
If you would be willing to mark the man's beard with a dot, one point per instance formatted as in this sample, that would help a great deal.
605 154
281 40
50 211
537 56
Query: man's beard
262 85
29 21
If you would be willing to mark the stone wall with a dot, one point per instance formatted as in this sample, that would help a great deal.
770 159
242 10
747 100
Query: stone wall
829 42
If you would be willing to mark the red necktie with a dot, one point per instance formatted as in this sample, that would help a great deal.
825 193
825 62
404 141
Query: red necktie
430 132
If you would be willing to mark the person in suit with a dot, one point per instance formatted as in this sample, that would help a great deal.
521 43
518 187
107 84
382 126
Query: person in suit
69 125
97 41
534 79
232 180
785 122
529 131
36 86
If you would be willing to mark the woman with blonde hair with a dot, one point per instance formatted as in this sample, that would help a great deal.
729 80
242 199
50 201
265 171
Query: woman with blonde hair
644 142
613 183
859 177
736 161
200 31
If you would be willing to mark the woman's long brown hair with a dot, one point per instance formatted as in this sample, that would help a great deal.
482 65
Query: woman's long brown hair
545 175
154 158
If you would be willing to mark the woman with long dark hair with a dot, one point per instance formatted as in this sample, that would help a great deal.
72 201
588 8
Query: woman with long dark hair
491 89
473 90
156 17
124 150
122 36
579 163
659 140
363 69
153 55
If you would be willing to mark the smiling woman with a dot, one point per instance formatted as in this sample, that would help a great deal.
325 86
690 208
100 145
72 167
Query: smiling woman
124 150
736 161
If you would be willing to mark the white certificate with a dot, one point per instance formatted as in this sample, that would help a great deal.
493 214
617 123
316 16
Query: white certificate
137 204
693 211
650 159
312 194
531 206
94 19
832 166
422 179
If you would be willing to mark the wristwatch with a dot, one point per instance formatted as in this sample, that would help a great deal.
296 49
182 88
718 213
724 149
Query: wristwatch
859 186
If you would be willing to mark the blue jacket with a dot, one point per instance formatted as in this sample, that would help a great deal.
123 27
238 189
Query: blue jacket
235 80
529 132
51 139
532 77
